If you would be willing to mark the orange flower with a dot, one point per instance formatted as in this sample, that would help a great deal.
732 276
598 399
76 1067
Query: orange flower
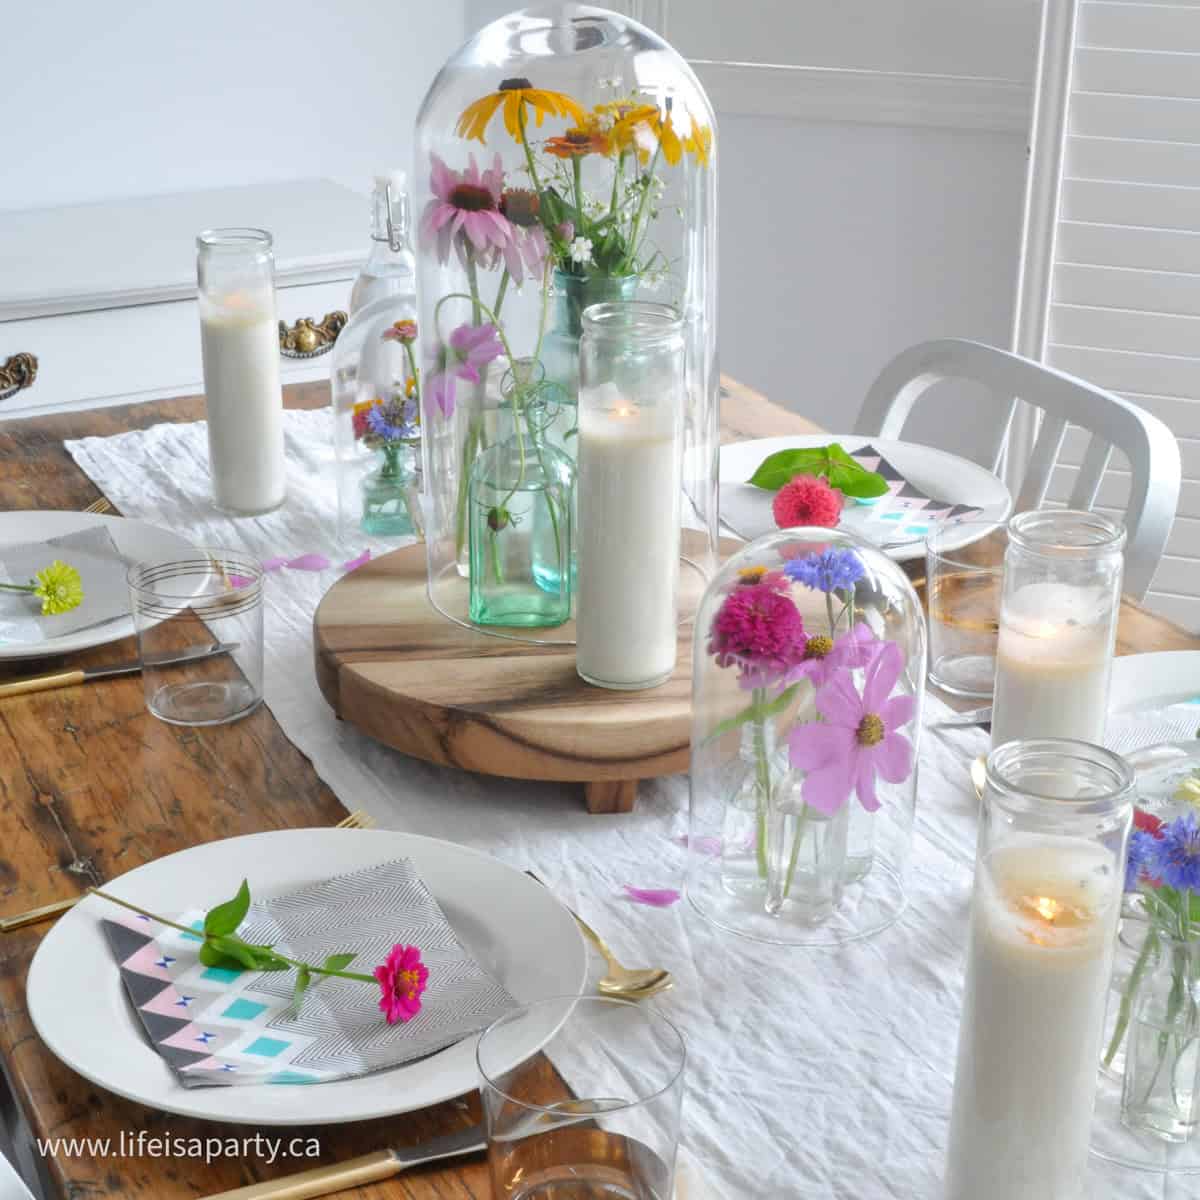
515 95
410 386
575 143
402 331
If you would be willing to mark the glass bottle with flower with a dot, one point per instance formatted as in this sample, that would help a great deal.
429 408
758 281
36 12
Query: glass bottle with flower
376 385
565 156
808 680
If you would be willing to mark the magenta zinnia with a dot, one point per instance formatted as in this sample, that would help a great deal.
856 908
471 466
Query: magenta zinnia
857 737
759 630
401 981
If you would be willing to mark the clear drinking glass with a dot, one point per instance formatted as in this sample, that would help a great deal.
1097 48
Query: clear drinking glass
963 573
1058 626
186 606
1050 867
239 342
595 1114
631 411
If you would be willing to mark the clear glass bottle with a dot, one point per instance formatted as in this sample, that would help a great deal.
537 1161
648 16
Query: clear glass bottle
1049 872
520 505
1058 625
560 139
239 341
1161 1095
631 414
790 616
391 268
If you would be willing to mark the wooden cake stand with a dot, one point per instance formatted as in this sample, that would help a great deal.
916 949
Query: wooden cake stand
399 670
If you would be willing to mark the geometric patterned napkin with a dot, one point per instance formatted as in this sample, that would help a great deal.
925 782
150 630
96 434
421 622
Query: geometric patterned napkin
219 1027
1136 729
905 506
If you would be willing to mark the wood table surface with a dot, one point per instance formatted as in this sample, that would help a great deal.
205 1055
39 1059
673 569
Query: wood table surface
92 786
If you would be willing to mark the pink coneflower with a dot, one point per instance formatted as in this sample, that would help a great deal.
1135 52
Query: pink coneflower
465 210
807 500
528 247
470 347
401 979
857 737
760 631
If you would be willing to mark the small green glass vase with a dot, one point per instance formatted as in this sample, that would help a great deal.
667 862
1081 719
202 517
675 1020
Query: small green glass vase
389 493
520 507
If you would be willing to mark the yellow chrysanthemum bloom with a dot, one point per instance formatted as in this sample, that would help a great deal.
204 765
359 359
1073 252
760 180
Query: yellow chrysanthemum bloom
514 95
59 587
627 120
366 405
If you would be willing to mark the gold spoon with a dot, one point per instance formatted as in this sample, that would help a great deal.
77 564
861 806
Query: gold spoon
626 983
979 775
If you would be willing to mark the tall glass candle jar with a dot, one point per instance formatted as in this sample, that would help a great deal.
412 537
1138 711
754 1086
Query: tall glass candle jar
239 340
1058 626
1049 871
631 402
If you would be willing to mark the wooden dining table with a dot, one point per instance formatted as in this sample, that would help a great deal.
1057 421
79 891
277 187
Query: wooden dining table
92 786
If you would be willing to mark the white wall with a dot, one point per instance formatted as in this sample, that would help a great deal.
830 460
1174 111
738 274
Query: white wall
147 96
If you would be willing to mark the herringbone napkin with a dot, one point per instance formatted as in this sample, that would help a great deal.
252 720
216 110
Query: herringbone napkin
219 1027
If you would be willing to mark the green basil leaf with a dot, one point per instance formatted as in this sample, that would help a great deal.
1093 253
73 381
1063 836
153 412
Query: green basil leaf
779 468
210 956
339 962
225 918
303 979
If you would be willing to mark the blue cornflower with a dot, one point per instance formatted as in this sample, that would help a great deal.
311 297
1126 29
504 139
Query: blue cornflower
832 570
393 421
1141 850
1176 854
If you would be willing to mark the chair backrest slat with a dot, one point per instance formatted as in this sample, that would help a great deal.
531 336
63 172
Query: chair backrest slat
1064 400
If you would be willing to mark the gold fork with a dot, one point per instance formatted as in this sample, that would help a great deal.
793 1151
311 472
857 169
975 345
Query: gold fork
356 820
99 506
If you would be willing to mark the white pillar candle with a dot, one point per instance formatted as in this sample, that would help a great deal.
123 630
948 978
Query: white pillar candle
628 542
239 340
1053 660
1043 925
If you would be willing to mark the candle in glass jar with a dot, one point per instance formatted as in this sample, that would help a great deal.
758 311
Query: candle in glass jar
1053 660
628 541
1042 931
239 341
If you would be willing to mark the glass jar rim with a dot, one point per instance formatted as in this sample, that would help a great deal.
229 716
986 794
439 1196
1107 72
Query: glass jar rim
1065 533
644 320
571 1003
234 238
1014 796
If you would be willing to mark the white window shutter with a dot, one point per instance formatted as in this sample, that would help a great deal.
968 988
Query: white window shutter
1125 288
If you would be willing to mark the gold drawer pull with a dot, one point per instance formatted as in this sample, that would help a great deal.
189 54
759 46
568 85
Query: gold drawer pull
307 338
18 372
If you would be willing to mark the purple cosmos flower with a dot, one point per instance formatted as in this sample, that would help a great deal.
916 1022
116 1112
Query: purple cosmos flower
858 737
1175 856
833 570
470 347
824 657
394 421
465 211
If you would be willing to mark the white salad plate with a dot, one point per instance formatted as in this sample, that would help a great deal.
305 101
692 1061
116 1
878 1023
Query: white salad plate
1155 680
513 925
746 510
136 541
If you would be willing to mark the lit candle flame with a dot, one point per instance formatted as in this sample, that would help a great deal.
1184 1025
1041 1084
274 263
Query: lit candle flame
1046 907
624 411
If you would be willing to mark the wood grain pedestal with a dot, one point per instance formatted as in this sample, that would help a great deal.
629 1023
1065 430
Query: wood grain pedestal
392 665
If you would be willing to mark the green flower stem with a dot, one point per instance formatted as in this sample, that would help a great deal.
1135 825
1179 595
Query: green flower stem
142 912
500 291
19 587
797 838
829 613
618 172
641 212
533 175
577 178
762 771
1149 947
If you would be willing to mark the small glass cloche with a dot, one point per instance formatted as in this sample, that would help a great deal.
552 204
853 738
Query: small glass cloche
809 677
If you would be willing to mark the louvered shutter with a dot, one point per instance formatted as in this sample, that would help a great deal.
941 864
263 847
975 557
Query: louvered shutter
1125 282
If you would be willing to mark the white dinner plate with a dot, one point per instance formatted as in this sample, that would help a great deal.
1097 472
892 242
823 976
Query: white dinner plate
1148 681
135 540
513 925
746 510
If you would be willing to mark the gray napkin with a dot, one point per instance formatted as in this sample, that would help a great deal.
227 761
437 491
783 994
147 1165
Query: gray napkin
94 555
218 1027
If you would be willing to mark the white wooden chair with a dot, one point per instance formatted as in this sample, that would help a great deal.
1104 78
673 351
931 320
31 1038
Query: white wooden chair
1149 445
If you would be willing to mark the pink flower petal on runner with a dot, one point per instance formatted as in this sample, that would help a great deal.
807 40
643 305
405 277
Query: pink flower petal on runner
240 581
273 564
712 846
309 562
656 897
355 563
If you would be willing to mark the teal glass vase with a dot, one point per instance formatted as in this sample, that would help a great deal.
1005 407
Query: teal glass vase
390 493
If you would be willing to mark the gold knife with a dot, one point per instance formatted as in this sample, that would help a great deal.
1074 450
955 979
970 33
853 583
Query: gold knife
367 1168
61 679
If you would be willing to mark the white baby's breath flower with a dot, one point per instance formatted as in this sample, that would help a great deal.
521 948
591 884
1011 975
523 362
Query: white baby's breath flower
581 250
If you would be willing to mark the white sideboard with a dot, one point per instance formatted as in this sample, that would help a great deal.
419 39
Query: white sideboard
103 295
